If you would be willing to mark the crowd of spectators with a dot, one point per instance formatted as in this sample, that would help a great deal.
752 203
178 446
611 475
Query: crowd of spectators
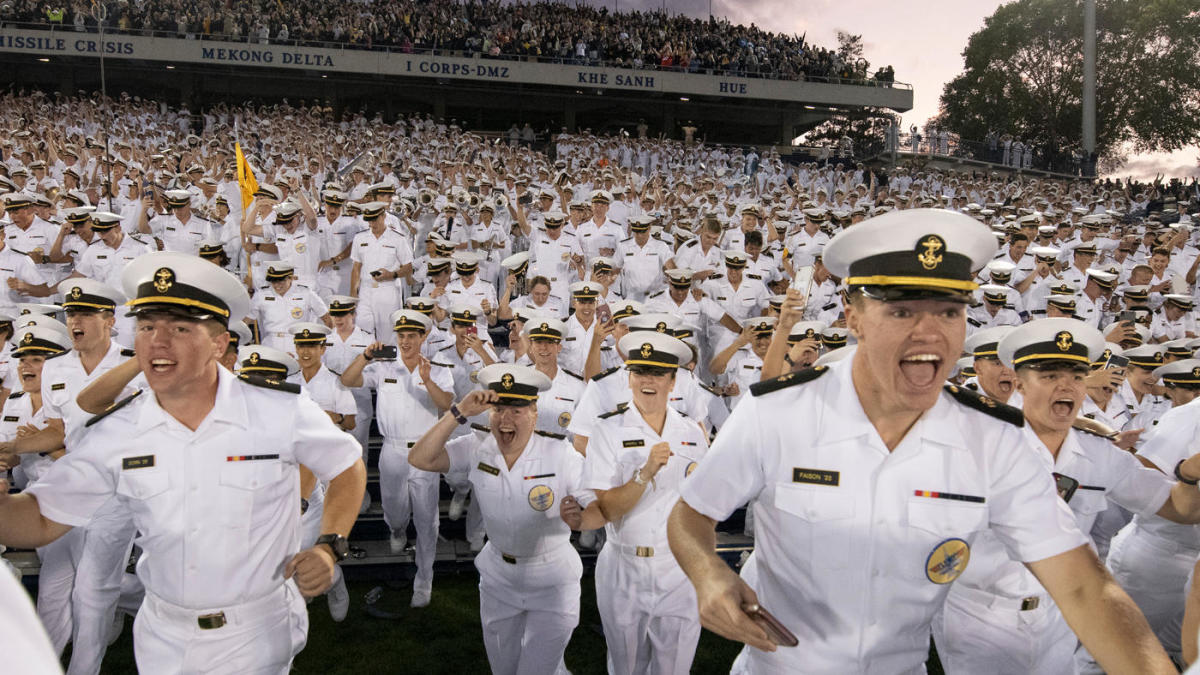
556 31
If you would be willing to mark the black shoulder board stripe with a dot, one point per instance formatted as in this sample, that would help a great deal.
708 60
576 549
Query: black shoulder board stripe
270 383
480 427
712 390
547 434
127 353
113 408
986 404
1091 426
621 407
574 375
973 322
17 394
600 376
787 380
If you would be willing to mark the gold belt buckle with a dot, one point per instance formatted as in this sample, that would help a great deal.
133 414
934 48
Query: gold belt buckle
645 551
211 621
510 559
1030 603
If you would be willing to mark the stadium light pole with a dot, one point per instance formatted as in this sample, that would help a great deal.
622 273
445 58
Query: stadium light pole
1089 78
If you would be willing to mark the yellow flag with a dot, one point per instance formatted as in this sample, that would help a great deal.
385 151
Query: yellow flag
245 177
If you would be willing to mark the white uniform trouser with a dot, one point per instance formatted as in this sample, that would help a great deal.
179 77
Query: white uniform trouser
375 307
1154 572
281 341
99 568
409 492
56 579
527 614
261 636
365 412
977 632
649 611
459 484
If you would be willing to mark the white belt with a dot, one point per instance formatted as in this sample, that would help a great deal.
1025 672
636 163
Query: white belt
527 559
266 607
641 551
1002 603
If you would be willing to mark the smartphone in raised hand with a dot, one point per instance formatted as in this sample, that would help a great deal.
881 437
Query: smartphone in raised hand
776 631
603 313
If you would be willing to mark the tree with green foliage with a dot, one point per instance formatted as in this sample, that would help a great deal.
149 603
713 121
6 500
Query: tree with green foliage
1023 75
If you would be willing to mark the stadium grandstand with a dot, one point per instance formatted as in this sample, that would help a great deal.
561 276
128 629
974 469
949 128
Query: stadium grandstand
475 127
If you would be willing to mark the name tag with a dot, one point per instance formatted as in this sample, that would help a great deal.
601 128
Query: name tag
389 380
250 458
101 257
638 443
58 387
12 418
816 476
143 462
269 297
488 468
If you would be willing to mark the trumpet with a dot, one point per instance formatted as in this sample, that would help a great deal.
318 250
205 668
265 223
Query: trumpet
474 201
426 197
461 199
500 202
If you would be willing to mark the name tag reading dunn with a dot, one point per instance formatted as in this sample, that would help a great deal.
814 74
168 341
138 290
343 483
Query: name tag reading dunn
816 476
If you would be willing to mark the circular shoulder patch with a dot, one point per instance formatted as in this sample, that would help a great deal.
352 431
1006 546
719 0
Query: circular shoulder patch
541 497
564 419
947 561
690 468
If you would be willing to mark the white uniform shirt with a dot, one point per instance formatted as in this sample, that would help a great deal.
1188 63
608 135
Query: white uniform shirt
403 408
619 446
390 250
328 392
340 353
301 247
275 312
179 236
23 641
217 508
13 265
641 266
102 263
855 544
1171 440
556 405
18 411
62 380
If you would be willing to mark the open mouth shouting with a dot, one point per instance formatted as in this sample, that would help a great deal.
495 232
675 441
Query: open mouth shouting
921 369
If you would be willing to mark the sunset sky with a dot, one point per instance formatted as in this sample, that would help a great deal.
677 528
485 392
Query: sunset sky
922 40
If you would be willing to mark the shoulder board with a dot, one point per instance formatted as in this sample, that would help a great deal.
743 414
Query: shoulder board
600 376
655 295
621 407
986 404
690 244
709 389
127 353
17 394
480 427
547 434
445 348
444 365
270 383
627 239
113 408
137 238
574 375
1090 426
974 322
787 380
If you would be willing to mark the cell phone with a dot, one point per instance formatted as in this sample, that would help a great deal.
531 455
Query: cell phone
1066 486
472 330
375 273
1127 315
603 313
526 198
776 631
1114 361
803 279
384 354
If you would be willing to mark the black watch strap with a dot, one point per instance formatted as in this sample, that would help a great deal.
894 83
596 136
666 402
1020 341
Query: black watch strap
1179 475
336 543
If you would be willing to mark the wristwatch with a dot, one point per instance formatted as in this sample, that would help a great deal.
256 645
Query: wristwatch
457 414
336 543
637 477
1180 478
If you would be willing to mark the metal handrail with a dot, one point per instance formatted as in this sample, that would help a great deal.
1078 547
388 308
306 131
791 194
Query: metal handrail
434 51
